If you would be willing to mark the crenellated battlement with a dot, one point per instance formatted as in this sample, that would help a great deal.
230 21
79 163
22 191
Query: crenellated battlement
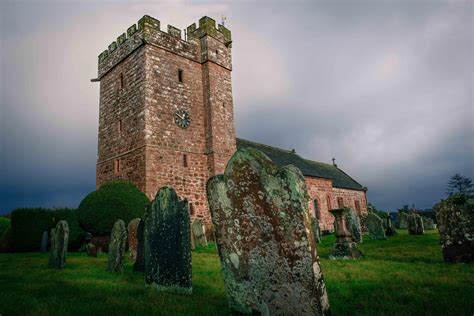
149 26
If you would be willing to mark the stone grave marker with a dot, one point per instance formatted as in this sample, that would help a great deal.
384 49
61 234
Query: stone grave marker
375 227
132 237
117 246
344 247
415 224
353 224
199 233
44 242
264 237
59 243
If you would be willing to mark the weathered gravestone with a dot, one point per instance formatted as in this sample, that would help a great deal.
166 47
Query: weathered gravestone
455 217
91 250
390 230
428 223
139 265
132 237
402 220
59 242
167 250
316 229
353 224
117 246
264 237
199 233
44 242
344 246
415 224
375 227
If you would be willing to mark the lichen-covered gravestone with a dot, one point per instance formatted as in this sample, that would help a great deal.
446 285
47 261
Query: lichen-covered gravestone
390 230
316 229
264 237
199 233
167 249
344 246
44 242
59 243
402 220
132 237
415 224
117 246
375 227
455 217
353 224
428 223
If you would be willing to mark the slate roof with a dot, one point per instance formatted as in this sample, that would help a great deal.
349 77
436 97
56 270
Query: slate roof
310 168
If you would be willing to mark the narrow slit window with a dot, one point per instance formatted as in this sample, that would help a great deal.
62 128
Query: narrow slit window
191 208
117 165
328 202
317 214
180 75
121 81
119 125
357 206
185 160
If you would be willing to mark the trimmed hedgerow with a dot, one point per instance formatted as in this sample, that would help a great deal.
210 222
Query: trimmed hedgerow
28 225
4 225
112 201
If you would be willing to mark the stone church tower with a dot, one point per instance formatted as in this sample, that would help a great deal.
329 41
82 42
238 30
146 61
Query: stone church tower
165 110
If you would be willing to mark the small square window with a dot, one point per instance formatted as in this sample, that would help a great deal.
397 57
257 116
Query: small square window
180 75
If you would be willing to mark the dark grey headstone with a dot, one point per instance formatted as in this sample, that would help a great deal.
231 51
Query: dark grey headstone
117 246
44 242
375 227
59 243
415 224
264 237
199 233
167 243
139 265
390 230
353 224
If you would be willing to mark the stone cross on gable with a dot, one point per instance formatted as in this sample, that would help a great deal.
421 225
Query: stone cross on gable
224 18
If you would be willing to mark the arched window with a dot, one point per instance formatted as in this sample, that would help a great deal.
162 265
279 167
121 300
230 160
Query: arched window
340 202
317 210
328 202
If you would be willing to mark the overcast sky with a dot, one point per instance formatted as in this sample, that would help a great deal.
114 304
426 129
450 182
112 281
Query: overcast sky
385 87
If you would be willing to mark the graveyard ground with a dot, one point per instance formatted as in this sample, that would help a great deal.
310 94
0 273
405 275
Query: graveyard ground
404 275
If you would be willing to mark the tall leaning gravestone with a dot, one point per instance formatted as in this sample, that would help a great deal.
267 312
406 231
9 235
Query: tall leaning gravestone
59 242
415 224
264 237
117 246
375 226
167 246
353 224
199 233
455 218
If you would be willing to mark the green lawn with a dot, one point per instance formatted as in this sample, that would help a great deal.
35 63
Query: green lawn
404 275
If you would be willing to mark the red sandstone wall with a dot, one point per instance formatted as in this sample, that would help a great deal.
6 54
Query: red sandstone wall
321 190
349 197
125 104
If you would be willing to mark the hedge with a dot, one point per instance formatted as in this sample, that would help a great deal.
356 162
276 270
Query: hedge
28 225
115 200
4 226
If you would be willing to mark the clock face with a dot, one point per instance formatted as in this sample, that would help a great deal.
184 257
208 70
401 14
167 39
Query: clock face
181 118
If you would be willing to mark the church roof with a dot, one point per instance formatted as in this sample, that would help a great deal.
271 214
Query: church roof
310 168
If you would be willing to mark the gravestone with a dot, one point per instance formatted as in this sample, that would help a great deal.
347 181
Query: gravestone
199 234
44 242
167 243
132 237
264 237
455 217
59 243
344 246
390 230
91 250
117 246
428 223
375 227
88 238
353 224
139 265
415 224
402 220
316 229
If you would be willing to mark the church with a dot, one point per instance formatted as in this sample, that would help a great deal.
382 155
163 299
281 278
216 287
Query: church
166 118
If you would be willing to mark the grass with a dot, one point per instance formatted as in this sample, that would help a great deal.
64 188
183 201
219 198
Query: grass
404 275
